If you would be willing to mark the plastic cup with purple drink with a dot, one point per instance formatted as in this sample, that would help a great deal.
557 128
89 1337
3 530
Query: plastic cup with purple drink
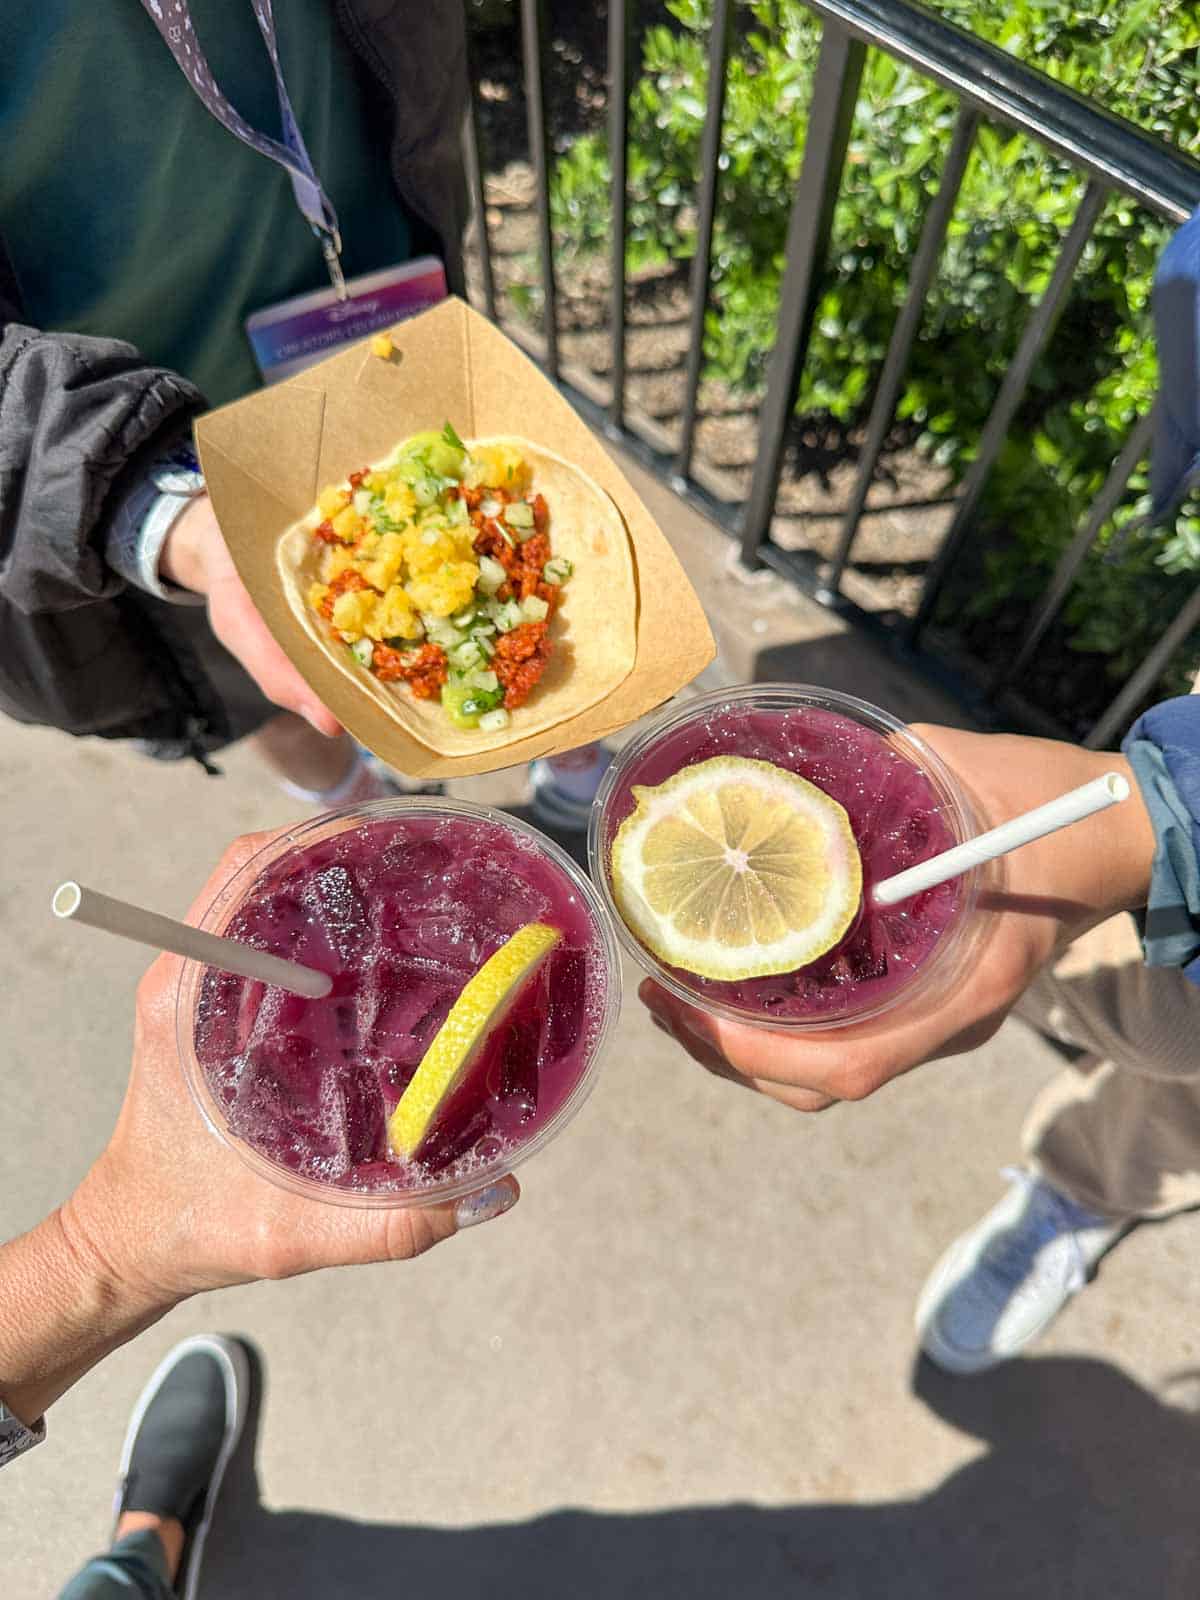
402 903
898 802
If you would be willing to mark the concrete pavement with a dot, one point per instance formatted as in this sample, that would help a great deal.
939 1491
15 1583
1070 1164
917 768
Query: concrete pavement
683 1366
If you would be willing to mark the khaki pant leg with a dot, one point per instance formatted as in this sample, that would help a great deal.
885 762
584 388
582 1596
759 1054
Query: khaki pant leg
1119 1132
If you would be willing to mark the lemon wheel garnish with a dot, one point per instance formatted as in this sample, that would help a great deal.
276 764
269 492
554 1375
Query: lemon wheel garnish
472 1016
735 869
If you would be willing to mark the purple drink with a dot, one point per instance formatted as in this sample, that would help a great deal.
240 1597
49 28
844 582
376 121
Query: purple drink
903 807
401 904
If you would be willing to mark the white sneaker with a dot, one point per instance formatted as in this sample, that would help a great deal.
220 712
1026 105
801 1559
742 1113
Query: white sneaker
1004 1281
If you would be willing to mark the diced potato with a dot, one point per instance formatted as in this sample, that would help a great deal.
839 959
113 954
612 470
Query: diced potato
366 546
398 501
347 524
446 590
499 466
336 560
384 568
395 617
353 611
331 500
381 346
428 548
375 482
316 594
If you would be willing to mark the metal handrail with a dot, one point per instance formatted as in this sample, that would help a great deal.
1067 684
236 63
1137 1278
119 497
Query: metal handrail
1113 155
1089 138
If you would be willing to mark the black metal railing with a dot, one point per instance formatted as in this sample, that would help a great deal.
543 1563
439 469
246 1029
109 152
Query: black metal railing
1115 156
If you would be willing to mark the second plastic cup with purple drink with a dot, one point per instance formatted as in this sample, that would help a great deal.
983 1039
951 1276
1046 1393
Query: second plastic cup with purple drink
903 806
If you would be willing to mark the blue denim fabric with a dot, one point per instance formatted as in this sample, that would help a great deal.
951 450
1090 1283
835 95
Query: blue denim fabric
1175 467
1163 747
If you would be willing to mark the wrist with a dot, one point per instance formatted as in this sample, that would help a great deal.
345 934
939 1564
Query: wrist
1071 880
65 1305
182 560
1112 852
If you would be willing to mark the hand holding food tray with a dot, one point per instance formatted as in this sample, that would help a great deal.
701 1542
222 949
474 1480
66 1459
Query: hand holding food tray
396 519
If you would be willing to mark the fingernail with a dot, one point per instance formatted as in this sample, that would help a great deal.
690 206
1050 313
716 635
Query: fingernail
485 1204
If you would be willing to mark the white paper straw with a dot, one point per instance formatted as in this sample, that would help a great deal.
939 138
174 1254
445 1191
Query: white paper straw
72 901
1061 813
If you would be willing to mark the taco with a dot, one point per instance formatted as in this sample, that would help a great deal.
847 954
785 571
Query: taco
480 592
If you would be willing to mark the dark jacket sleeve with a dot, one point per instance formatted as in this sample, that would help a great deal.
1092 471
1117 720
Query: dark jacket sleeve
75 414
77 417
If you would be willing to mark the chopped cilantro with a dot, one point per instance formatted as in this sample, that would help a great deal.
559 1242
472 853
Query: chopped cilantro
452 438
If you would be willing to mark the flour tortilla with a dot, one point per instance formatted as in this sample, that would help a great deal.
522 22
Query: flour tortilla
594 627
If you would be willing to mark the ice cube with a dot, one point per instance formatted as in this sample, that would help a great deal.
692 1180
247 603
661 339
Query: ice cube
414 863
358 1109
899 930
249 1004
866 957
332 896
522 1045
225 1014
496 899
278 1106
401 1007
456 1131
278 1013
566 984
450 940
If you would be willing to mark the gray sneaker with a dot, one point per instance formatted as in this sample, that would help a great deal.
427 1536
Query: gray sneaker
1003 1282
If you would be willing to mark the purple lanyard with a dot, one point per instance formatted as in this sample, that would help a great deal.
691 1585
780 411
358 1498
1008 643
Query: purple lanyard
173 19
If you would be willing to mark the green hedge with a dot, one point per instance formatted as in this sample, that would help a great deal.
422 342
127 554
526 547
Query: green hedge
1098 374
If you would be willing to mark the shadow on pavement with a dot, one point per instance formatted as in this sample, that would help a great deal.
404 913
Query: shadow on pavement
1087 1487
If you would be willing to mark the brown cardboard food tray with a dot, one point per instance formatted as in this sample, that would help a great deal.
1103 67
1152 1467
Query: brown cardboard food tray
266 457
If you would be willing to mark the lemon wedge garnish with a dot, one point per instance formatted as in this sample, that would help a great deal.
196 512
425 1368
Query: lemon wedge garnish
476 1011
735 869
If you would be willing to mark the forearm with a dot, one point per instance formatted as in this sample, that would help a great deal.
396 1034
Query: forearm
1118 856
62 1310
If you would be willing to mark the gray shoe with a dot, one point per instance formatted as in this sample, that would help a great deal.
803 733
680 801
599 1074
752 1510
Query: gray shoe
184 1428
